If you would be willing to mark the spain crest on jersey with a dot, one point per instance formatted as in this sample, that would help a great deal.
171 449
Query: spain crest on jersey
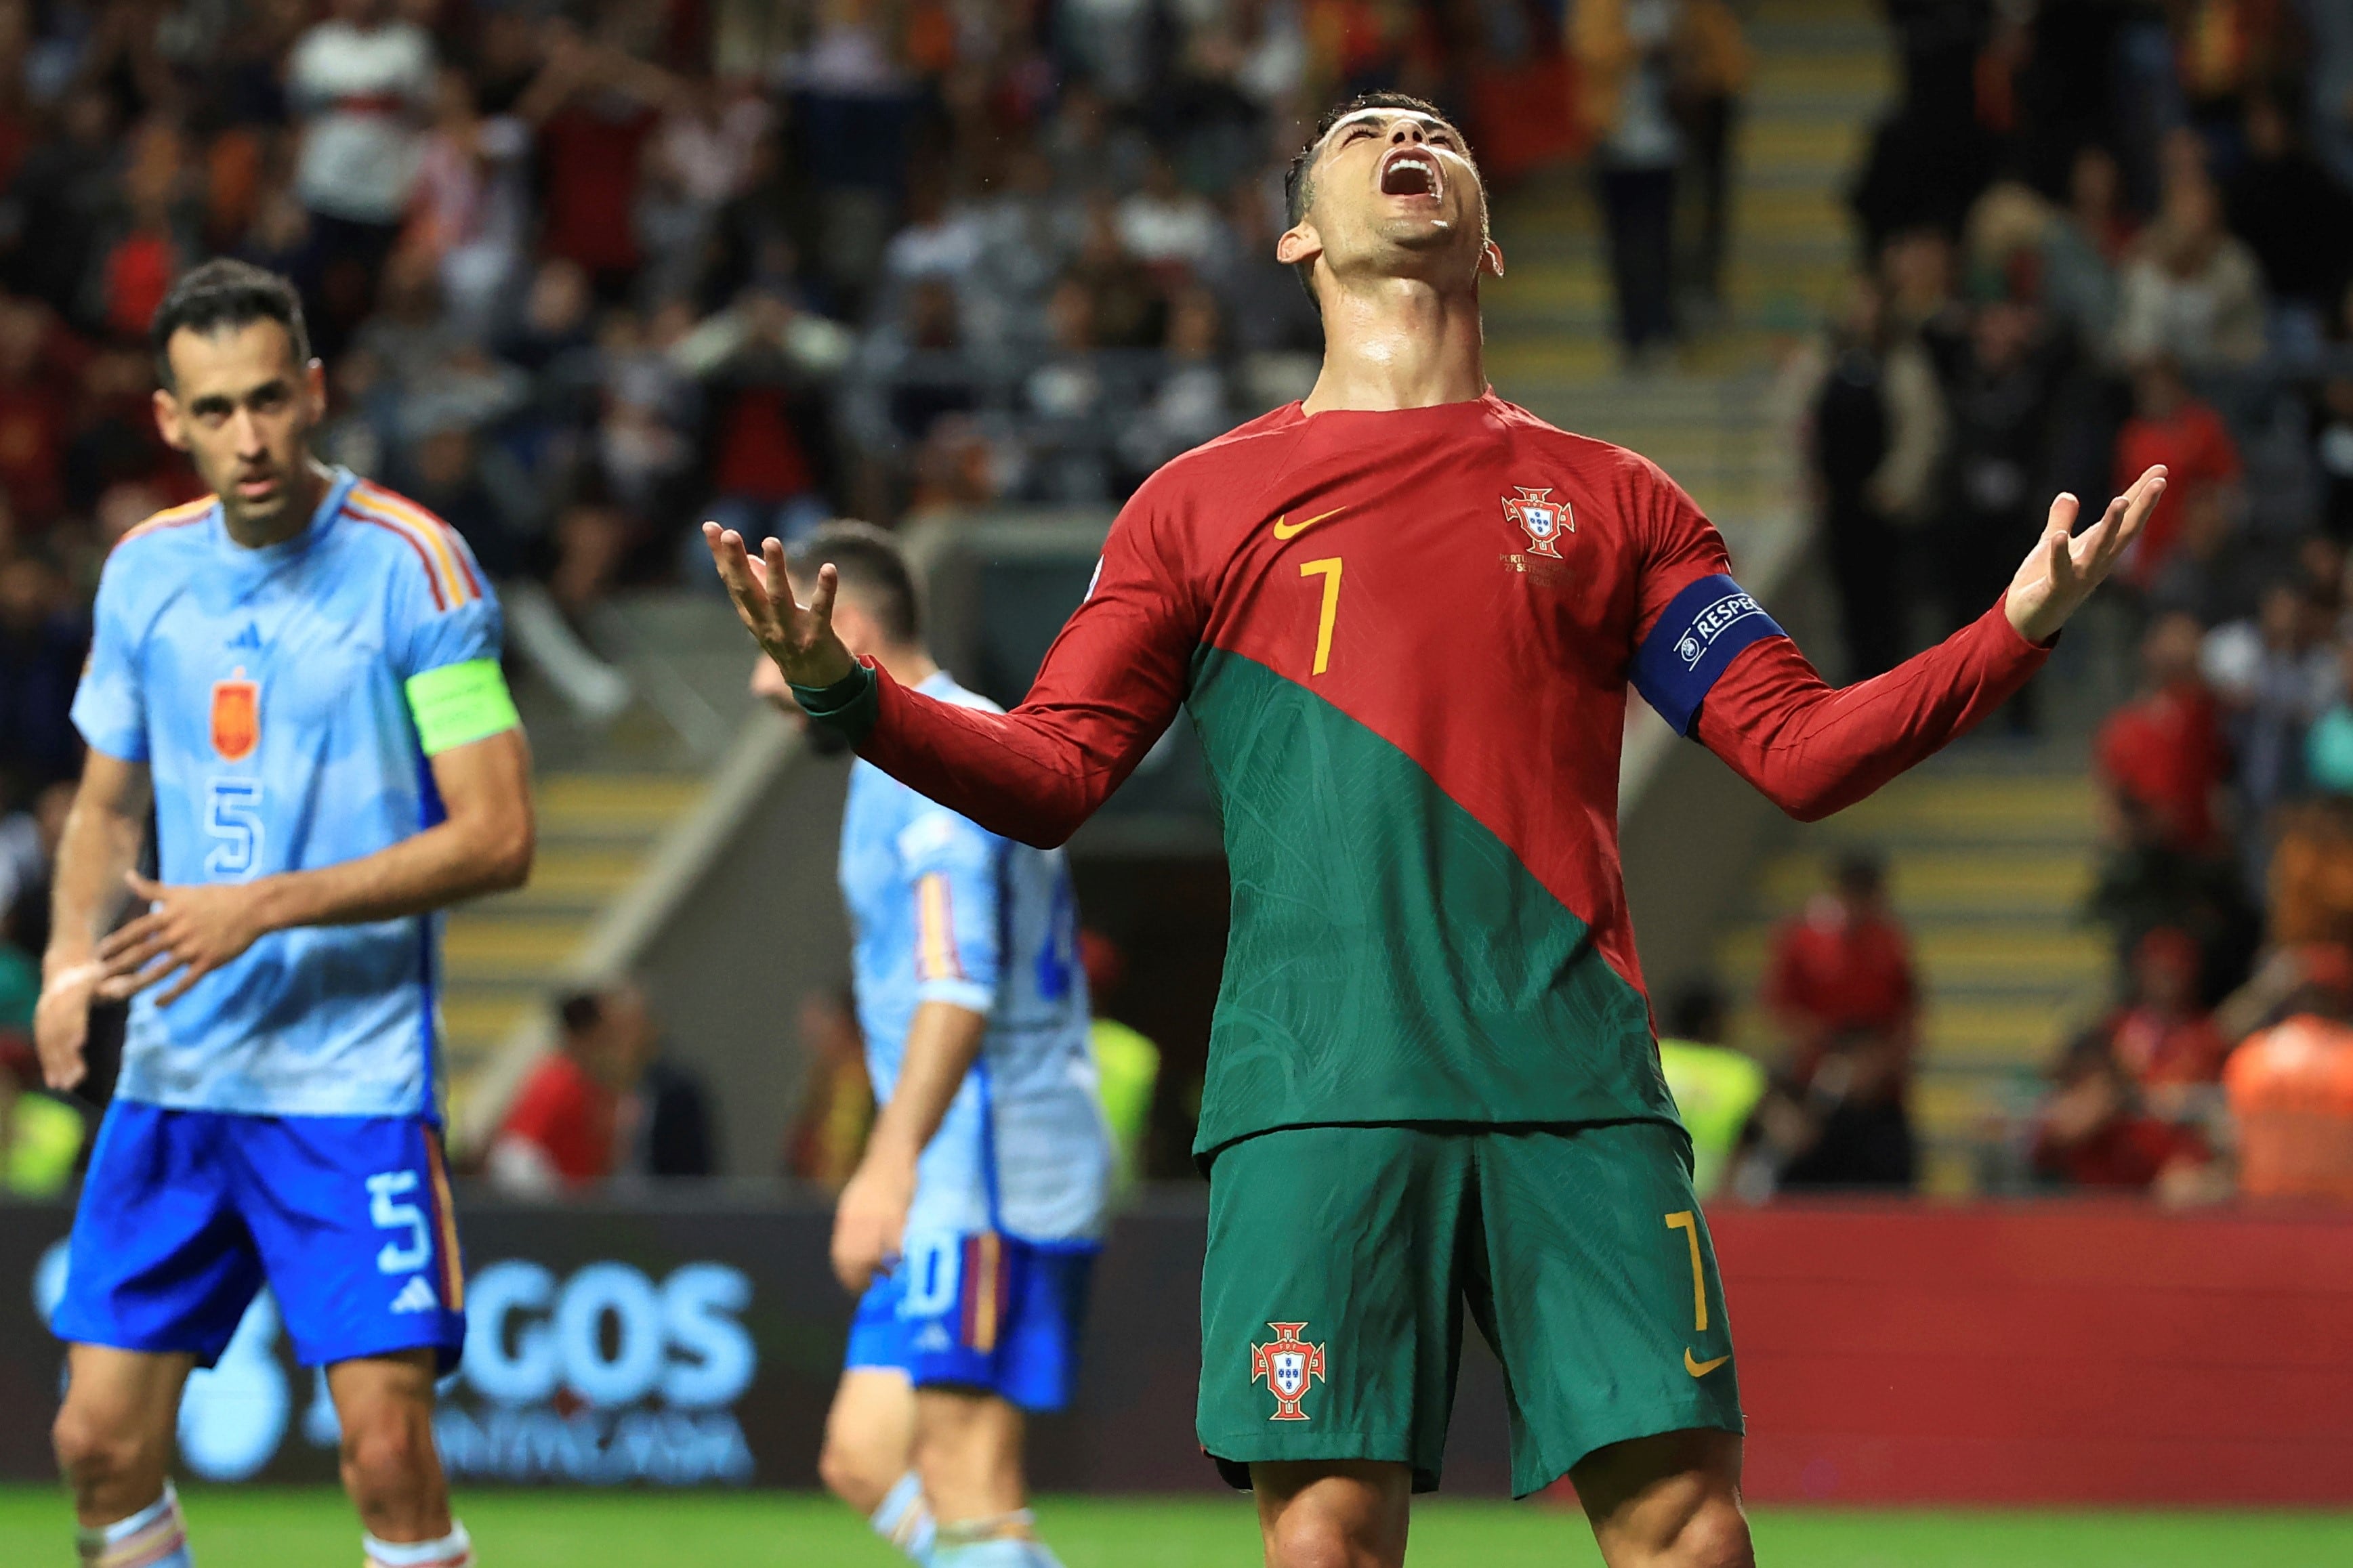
1541 518
1286 1365
237 716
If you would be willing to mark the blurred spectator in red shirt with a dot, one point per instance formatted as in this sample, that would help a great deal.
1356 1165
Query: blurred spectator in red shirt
2091 1131
602 1104
595 107
37 390
2161 758
2170 426
562 1132
1843 969
2165 1039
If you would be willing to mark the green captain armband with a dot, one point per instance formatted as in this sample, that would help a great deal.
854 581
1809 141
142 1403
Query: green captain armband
458 703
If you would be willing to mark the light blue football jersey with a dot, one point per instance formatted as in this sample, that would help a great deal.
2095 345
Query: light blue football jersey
264 691
943 910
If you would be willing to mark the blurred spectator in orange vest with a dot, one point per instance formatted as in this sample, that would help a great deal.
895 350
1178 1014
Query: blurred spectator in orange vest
1843 968
2291 1089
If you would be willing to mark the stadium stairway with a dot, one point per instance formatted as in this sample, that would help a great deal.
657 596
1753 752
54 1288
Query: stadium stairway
1990 857
1716 419
606 795
1822 70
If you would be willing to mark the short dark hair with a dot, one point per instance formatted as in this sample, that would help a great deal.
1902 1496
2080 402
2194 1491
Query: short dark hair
225 294
1298 182
872 565
581 1011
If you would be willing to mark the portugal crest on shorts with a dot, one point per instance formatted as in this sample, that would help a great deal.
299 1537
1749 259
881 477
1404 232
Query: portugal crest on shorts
1541 518
1285 1366
237 716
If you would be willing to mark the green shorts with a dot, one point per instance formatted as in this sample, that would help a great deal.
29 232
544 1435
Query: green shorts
1340 1260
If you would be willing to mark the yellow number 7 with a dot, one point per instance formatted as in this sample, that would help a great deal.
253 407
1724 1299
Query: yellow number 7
1687 1222
1329 569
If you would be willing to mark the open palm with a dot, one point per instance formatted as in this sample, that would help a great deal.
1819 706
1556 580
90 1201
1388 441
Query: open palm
799 637
2059 572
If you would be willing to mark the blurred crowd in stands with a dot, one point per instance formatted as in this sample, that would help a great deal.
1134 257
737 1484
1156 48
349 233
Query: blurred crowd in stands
2098 236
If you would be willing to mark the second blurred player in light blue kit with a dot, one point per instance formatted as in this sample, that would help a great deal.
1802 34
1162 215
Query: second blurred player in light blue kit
973 1221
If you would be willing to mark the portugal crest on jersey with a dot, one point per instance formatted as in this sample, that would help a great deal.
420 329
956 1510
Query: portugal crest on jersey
236 717
1285 1366
1541 518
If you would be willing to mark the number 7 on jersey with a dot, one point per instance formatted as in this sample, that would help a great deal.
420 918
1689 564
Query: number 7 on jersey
1329 569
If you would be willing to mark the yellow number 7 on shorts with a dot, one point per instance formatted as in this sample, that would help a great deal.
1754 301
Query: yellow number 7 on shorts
1687 1222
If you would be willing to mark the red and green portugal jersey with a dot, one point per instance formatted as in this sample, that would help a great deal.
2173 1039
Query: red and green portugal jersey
1405 639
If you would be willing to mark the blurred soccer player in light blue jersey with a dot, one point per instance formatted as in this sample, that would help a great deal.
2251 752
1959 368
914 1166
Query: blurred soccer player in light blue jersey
300 676
971 1222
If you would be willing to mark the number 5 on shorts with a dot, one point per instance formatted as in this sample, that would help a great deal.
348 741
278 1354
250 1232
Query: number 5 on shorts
388 1214
1687 1222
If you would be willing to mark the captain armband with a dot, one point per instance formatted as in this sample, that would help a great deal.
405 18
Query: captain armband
459 703
1703 629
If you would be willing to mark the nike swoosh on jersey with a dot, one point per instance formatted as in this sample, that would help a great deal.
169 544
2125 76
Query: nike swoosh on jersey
1702 1368
1293 529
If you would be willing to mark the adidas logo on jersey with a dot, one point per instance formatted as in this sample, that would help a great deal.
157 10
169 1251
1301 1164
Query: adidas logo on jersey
416 1295
934 1340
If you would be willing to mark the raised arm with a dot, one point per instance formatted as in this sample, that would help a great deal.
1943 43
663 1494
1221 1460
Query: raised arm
1814 749
99 849
1111 683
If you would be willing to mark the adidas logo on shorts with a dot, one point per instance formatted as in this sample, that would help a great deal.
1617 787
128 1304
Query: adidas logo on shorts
416 1295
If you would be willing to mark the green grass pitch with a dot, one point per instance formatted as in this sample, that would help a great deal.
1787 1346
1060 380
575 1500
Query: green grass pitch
253 1528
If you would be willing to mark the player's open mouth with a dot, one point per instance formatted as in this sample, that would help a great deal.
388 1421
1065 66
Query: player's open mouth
1411 172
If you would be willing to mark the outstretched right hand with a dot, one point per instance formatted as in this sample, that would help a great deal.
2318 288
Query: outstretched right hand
799 637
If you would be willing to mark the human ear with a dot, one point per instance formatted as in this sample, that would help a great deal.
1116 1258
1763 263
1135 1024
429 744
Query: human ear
1299 243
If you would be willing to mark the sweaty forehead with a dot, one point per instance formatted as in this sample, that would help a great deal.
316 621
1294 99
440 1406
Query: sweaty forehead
1380 120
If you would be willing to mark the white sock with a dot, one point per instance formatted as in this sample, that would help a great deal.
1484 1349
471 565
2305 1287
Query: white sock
1006 1540
154 1537
904 1519
455 1550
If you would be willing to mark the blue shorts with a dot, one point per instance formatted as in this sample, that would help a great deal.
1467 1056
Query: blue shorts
982 1311
186 1214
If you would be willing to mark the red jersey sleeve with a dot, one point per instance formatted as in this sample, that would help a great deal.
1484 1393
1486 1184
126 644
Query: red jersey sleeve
1715 665
1110 685
1679 546
1814 749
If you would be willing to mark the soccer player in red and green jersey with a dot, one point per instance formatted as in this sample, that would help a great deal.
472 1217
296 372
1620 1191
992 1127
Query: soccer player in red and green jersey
1404 616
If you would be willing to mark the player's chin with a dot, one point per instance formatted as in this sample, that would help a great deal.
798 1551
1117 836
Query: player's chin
1427 247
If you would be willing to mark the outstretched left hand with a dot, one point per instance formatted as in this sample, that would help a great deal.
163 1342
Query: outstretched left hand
2065 566
192 929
